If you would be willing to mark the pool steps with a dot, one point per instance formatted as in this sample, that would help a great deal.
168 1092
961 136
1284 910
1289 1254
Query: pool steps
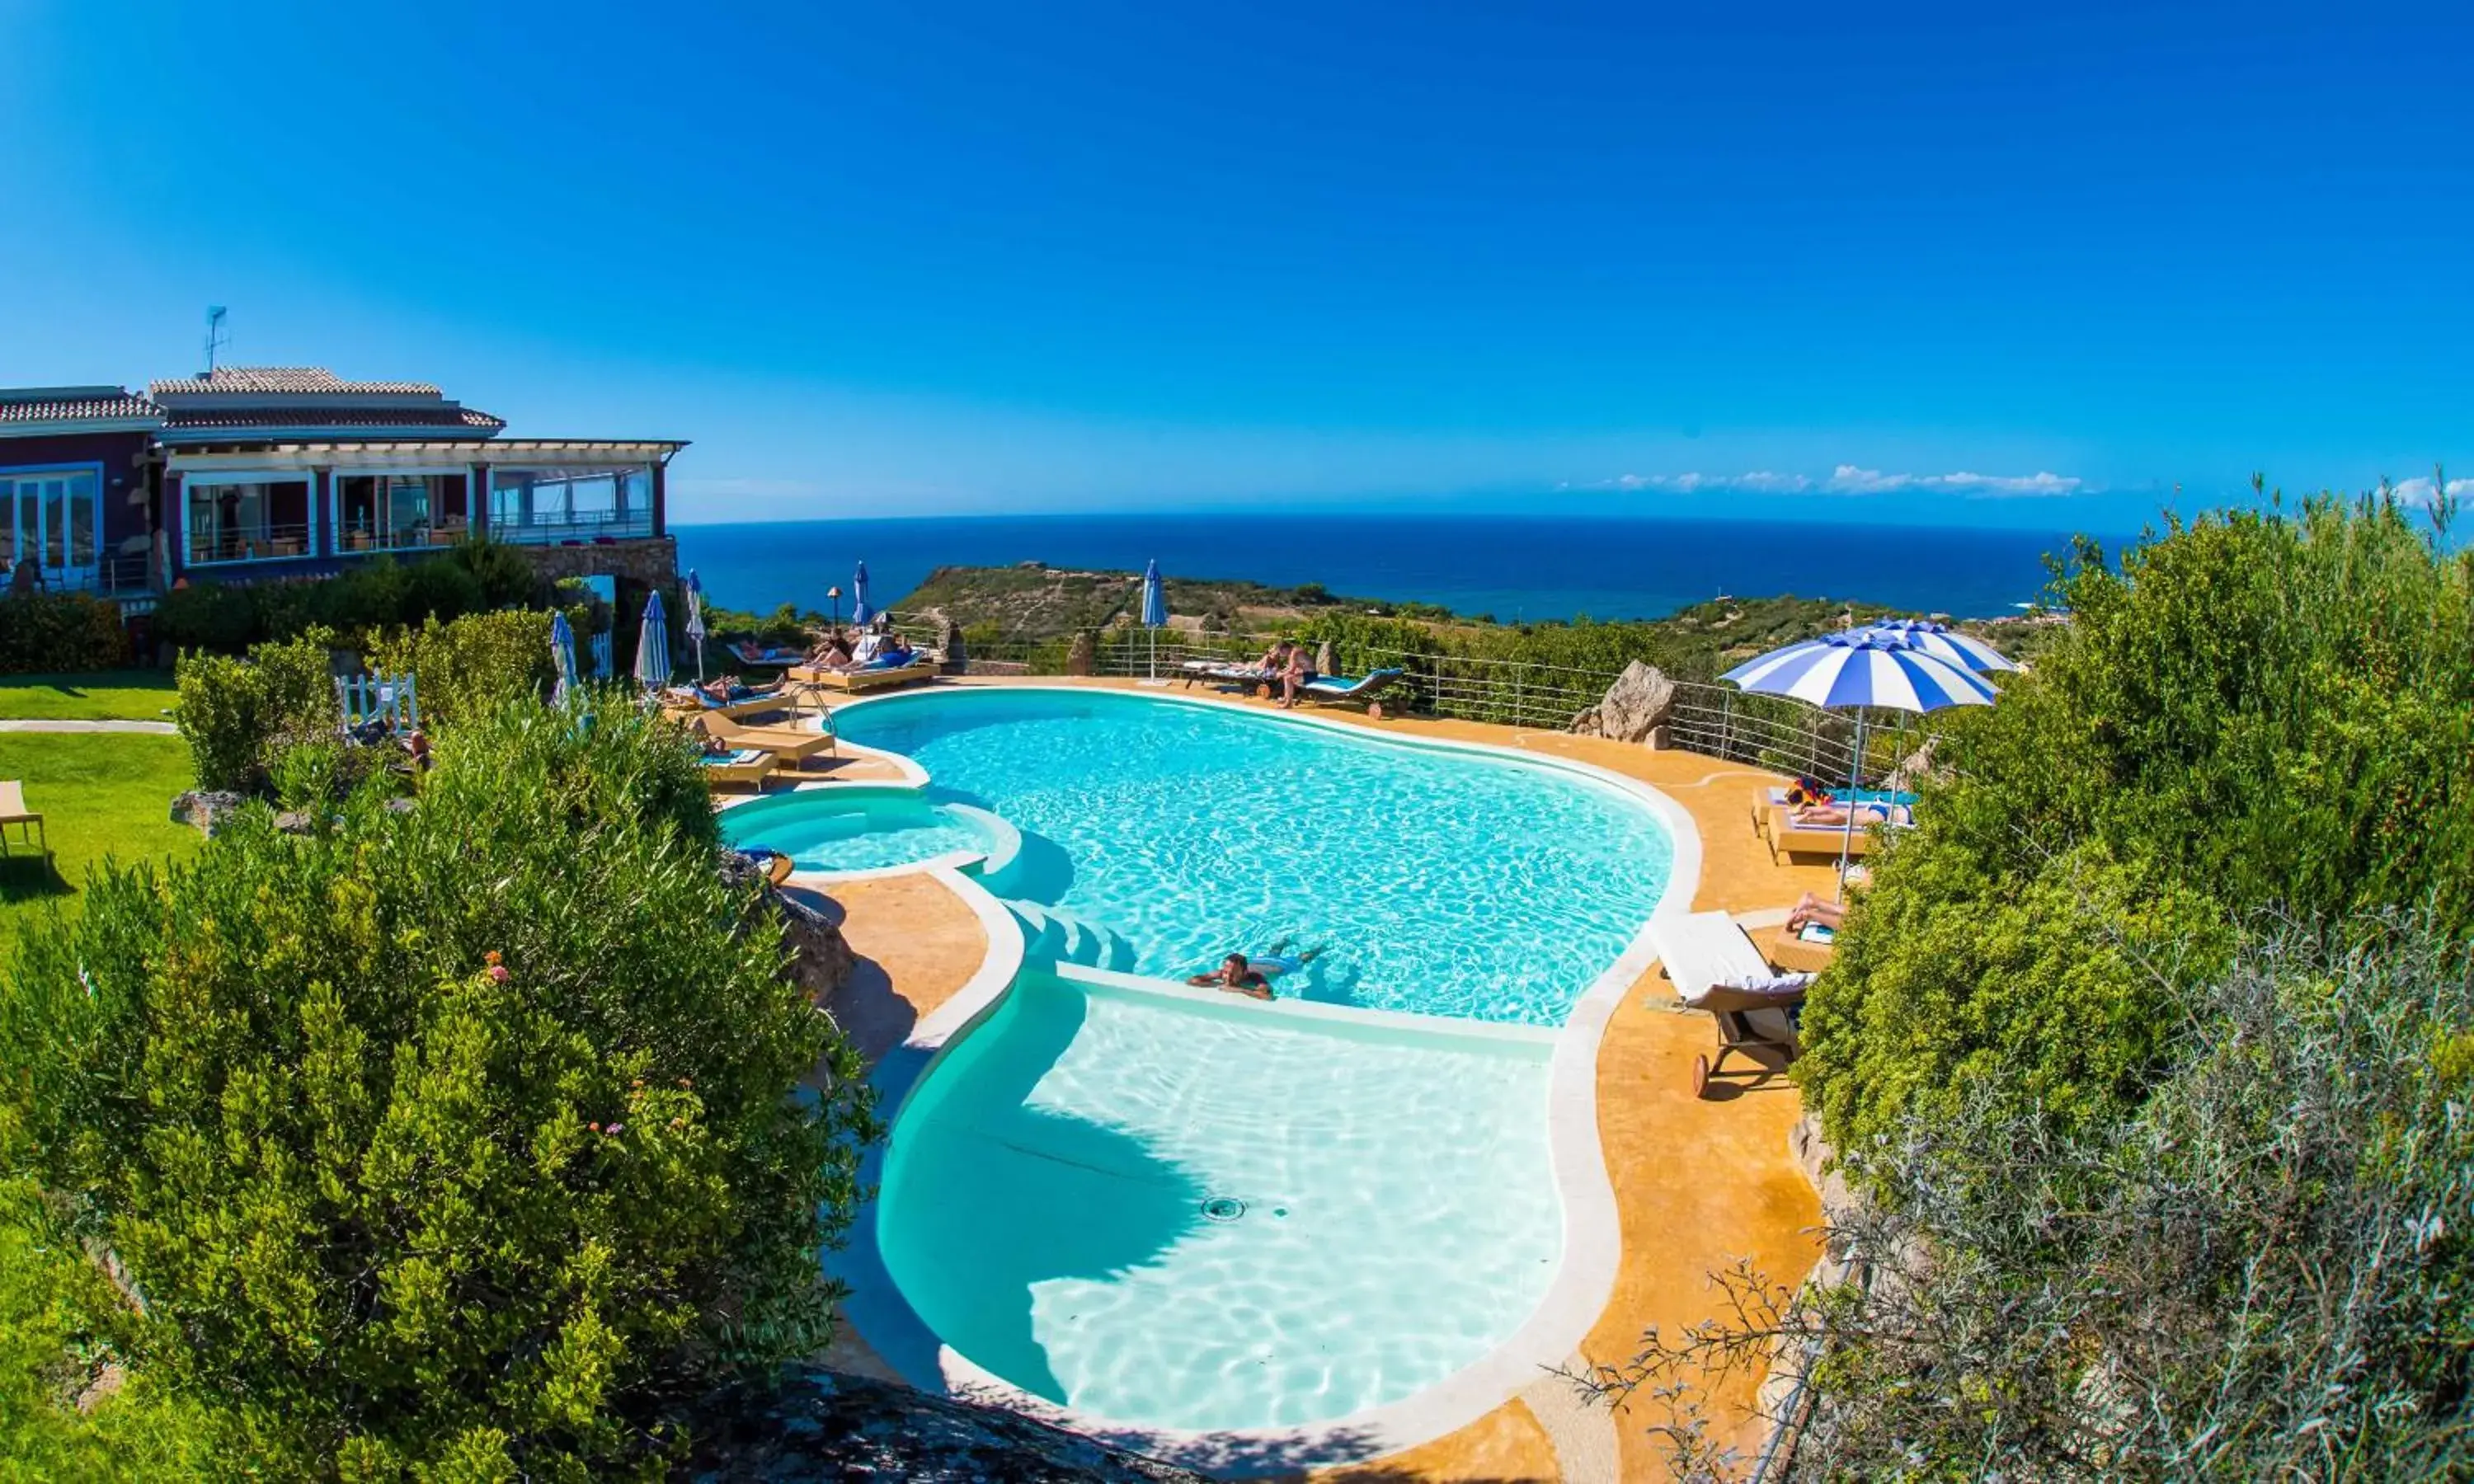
1052 935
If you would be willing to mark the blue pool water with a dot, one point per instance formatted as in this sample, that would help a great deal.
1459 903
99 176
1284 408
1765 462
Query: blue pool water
1433 881
852 829
1211 1216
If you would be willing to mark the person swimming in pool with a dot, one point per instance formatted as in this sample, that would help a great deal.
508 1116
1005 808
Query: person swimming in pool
1237 975
1253 977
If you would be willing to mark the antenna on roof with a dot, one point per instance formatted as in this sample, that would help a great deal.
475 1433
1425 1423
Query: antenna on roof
217 337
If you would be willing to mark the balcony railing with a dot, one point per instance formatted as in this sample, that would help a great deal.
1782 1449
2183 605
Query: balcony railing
251 543
104 576
424 536
581 529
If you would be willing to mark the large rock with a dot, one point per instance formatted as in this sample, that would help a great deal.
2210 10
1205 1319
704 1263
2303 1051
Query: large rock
814 1423
1633 708
207 809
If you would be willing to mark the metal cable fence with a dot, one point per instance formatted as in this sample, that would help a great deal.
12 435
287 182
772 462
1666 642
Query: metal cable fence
1713 720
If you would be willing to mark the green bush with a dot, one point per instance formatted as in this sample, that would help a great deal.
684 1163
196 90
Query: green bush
63 1336
382 593
2257 711
40 633
2263 1273
472 665
458 1141
238 715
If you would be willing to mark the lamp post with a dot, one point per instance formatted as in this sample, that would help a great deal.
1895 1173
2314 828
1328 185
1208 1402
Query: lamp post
833 595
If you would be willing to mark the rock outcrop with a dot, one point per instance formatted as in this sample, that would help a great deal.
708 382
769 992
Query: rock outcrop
815 1424
1634 709
205 808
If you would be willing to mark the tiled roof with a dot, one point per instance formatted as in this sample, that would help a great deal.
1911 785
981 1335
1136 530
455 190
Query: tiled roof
444 415
281 379
73 404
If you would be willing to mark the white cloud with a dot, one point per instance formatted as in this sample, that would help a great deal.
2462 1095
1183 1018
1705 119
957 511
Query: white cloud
1848 479
2422 491
1757 481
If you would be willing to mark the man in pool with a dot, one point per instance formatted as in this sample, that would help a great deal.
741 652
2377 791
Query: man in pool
1253 977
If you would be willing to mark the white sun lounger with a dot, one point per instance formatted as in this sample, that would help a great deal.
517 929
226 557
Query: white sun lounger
1703 950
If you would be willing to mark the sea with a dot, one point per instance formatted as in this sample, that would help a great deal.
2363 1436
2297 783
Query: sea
1509 567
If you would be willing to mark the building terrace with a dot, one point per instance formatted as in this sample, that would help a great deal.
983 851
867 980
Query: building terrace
250 473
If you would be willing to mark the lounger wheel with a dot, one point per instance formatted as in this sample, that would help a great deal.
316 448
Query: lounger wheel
1700 1076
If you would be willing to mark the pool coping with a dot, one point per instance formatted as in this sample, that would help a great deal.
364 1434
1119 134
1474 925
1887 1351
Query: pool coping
1585 1270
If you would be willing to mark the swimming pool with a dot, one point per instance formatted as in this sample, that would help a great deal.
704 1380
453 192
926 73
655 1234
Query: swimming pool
1201 1217
1368 1210
1433 881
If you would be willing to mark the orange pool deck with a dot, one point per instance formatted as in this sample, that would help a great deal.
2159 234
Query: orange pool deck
1700 1185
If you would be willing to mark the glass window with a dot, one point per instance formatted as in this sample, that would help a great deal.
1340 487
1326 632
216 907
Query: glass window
247 520
571 504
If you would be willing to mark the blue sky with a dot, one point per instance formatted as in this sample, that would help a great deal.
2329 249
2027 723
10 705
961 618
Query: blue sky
1978 263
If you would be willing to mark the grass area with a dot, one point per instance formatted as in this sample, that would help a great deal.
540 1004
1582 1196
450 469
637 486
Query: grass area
105 695
99 796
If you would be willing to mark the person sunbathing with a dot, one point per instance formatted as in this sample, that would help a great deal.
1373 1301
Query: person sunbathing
1812 909
1827 814
1297 672
832 654
894 653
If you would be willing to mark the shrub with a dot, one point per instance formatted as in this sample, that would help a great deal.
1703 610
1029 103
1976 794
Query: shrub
458 1139
2258 711
238 714
49 632
505 577
472 664
378 594
2263 1273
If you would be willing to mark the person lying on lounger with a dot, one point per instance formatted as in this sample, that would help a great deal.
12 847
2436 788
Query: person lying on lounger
1827 814
1812 909
893 653
721 689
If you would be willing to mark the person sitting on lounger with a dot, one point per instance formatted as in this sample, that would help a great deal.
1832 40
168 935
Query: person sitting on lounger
1812 909
1299 671
832 654
1274 659
893 653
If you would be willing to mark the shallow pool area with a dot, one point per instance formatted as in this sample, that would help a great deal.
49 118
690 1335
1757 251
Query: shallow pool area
1433 881
861 829
1199 1216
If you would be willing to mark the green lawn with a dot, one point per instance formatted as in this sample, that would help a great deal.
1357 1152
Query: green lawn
106 695
99 795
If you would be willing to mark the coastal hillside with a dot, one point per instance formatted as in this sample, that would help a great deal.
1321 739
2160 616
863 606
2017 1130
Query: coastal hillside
1033 601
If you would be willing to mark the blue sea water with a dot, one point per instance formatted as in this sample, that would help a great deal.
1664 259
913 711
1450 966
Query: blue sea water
1511 567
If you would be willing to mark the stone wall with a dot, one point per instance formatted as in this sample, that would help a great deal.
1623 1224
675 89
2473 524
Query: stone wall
653 561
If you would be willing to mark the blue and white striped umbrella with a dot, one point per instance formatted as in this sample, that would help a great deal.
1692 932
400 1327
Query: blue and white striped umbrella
653 645
1946 644
695 620
562 655
1863 670
1860 669
860 612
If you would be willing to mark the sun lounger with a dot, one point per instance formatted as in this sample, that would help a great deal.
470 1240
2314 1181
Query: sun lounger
683 702
1774 797
14 811
1787 838
1715 969
861 678
1369 690
798 744
745 768
1222 672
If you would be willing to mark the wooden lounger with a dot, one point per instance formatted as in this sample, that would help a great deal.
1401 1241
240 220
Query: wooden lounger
864 679
1786 837
782 699
14 811
794 743
750 773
